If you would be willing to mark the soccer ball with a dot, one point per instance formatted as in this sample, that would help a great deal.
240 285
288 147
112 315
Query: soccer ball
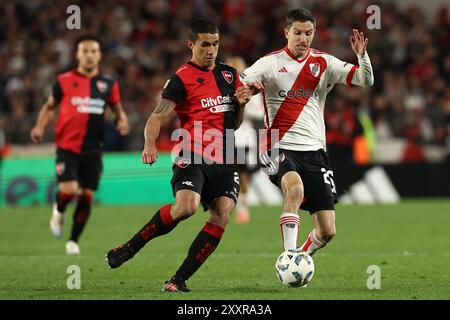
294 269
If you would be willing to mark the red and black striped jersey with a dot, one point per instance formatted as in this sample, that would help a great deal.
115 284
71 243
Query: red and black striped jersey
206 106
82 100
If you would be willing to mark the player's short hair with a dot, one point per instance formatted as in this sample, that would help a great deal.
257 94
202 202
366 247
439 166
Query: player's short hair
301 15
201 25
86 37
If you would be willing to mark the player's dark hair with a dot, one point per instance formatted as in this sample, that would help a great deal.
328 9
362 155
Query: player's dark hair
86 37
201 25
301 15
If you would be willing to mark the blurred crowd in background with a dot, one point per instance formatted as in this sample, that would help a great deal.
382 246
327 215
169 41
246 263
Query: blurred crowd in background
144 42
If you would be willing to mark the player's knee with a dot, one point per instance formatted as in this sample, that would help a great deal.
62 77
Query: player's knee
294 193
87 193
68 187
327 234
185 208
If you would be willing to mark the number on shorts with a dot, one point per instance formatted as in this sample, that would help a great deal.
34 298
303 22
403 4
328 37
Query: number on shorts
328 179
236 177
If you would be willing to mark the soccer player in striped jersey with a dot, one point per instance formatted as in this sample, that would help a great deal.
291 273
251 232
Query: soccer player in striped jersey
296 81
209 100
82 94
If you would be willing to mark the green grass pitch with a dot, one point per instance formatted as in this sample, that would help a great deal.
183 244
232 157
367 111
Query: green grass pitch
410 242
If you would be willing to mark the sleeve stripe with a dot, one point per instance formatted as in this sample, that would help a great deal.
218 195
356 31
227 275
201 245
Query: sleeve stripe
350 75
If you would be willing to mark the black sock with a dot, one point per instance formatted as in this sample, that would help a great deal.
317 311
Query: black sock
82 212
161 223
62 200
204 244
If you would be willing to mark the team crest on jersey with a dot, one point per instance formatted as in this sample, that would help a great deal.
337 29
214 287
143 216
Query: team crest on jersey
60 168
102 86
228 76
315 69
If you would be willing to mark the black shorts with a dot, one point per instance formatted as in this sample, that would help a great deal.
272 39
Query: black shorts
316 174
210 181
85 168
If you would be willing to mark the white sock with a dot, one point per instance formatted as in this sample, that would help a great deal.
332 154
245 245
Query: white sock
289 224
312 244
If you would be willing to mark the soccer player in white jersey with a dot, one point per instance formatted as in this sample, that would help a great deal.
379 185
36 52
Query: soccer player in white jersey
296 81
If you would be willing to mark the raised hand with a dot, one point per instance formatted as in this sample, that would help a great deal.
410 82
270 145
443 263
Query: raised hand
358 42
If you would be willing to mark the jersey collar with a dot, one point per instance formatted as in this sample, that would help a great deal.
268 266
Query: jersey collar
84 76
199 67
293 57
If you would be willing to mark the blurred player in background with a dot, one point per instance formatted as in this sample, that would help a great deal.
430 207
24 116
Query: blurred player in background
247 143
296 81
82 94
201 92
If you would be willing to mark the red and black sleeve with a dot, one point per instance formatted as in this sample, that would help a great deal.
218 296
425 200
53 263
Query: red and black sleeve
57 92
174 90
114 95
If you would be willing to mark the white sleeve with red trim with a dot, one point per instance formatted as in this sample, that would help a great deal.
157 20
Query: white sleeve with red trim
347 73
364 75
340 71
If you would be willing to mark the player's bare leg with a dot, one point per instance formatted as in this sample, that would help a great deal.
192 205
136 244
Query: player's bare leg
242 212
185 205
221 211
66 192
292 187
163 221
204 244
324 230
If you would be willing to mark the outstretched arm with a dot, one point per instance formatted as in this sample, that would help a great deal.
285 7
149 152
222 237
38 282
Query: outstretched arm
161 114
363 76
